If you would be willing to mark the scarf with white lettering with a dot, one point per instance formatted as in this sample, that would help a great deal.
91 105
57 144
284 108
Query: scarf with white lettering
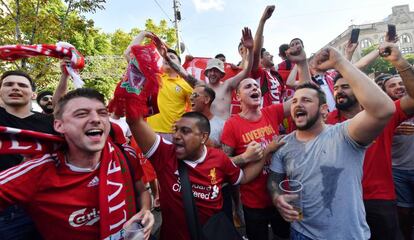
26 142
116 192
136 94
59 50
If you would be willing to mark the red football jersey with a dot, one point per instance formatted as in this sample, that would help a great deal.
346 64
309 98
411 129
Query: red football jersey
237 133
377 181
271 86
207 176
61 199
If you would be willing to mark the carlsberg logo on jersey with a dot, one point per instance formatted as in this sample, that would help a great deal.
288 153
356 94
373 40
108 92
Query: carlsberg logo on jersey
199 191
83 217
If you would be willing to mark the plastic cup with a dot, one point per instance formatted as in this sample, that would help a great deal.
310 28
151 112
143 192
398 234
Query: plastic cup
294 188
134 231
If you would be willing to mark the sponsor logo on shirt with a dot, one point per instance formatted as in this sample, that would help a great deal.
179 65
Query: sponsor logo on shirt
258 134
213 176
94 182
84 217
199 191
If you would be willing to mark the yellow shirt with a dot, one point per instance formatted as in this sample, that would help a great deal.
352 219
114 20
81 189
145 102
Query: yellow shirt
173 97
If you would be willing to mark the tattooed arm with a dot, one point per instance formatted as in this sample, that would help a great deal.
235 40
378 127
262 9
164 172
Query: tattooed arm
279 199
183 73
253 152
273 184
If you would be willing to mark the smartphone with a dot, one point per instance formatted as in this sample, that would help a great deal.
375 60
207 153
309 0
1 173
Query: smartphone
392 32
354 35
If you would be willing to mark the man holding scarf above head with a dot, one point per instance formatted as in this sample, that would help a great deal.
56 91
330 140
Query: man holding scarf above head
85 188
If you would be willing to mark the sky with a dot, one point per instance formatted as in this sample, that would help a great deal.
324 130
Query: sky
209 27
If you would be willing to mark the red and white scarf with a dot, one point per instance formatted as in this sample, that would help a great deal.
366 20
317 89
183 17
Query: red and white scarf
116 193
60 50
136 94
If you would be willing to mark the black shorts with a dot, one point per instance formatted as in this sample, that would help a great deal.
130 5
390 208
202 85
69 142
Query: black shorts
382 219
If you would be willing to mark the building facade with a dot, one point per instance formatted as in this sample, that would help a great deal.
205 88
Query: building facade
374 33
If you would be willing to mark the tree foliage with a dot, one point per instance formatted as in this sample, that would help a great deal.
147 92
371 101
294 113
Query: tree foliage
50 21
380 65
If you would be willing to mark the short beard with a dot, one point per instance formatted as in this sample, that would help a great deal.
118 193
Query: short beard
346 105
310 122
47 110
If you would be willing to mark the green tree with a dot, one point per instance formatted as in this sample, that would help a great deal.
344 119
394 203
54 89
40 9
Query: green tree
165 33
50 21
379 65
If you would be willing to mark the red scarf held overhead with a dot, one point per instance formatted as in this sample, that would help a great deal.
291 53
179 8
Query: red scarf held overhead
136 94
60 50
116 193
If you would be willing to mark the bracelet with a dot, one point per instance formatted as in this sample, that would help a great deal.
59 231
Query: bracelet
406 68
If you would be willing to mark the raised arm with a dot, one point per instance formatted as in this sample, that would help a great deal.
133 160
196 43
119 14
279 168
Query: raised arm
350 49
136 41
247 41
143 134
406 71
192 81
370 57
258 37
291 80
378 107
62 86
297 55
367 59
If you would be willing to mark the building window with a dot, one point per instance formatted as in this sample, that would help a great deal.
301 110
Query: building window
365 43
405 38
406 50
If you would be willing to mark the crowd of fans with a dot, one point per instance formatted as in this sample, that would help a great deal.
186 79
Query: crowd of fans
348 139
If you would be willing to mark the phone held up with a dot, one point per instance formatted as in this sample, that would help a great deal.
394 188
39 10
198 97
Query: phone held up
354 35
392 34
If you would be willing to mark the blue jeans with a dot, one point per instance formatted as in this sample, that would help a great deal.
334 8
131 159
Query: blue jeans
404 186
15 224
295 235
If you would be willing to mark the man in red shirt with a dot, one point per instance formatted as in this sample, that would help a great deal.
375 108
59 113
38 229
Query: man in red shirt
378 187
65 188
208 169
263 69
255 126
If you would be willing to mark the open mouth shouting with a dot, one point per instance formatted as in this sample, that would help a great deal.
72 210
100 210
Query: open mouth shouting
179 148
341 98
300 114
399 93
15 95
255 96
94 134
